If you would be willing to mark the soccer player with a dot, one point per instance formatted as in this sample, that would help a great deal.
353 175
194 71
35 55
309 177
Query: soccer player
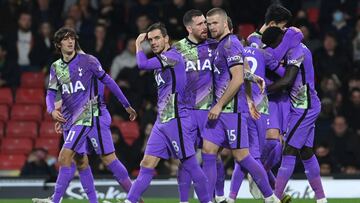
80 79
197 51
173 132
227 125
304 110
278 16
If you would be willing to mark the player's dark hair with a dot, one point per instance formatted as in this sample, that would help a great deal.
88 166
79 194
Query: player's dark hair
230 24
278 14
156 26
65 32
188 16
216 11
272 36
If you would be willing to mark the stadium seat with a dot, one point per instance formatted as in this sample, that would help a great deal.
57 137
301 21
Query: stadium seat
30 96
47 130
16 145
129 130
20 112
50 144
12 162
6 96
47 116
244 30
32 80
21 129
4 113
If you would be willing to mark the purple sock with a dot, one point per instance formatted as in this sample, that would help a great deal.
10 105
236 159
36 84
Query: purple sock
312 171
62 182
219 186
272 179
209 168
271 153
198 177
258 173
87 182
120 174
236 180
184 183
141 184
285 171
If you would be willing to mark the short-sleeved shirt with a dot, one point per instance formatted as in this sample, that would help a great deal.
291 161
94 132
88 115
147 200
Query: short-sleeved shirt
82 93
228 54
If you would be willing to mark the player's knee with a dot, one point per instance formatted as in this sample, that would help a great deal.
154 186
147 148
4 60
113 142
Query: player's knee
306 153
290 150
108 158
149 161
81 161
240 154
65 157
209 148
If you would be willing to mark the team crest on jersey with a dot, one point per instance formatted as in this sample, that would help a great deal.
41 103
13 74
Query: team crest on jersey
80 71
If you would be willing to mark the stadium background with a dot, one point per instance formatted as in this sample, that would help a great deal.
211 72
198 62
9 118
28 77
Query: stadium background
108 29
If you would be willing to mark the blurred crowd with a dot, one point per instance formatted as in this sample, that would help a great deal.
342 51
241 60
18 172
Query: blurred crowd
108 29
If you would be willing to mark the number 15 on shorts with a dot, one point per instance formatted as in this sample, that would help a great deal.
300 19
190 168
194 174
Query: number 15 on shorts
231 135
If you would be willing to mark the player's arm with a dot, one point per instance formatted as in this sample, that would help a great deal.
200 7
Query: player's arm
237 79
292 38
255 114
141 59
99 72
51 97
285 82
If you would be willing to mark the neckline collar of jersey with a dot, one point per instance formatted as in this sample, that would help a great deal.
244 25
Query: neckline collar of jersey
62 58
191 42
225 37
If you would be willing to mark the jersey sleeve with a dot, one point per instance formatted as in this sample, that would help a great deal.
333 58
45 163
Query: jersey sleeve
169 58
295 56
53 81
233 52
254 40
96 68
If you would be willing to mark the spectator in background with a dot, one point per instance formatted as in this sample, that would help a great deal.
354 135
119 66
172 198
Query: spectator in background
142 23
173 16
324 121
70 22
329 87
102 47
340 27
340 143
112 15
9 12
42 53
127 59
142 7
86 9
352 110
39 163
202 5
84 27
21 42
9 70
326 162
330 59
356 44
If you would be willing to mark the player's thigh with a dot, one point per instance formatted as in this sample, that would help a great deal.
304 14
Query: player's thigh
180 134
157 143
236 127
213 136
75 138
100 136
254 139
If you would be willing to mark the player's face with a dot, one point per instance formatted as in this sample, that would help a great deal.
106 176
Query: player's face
67 44
157 41
199 28
216 25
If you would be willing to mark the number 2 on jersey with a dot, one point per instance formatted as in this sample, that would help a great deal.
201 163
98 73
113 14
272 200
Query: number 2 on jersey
252 63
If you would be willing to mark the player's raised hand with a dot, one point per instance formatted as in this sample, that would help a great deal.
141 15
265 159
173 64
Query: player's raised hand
132 113
255 114
140 39
214 112
57 116
58 128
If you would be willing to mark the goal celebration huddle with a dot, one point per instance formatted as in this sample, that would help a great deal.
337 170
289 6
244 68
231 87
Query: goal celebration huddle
255 97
